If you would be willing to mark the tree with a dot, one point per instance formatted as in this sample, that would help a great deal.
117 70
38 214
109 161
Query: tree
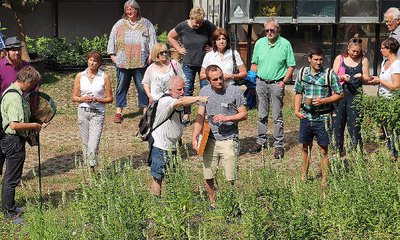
21 8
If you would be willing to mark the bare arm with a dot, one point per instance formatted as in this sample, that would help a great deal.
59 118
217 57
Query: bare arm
109 97
146 88
238 76
203 73
298 97
189 100
240 116
365 70
336 64
173 37
394 85
254 67
197 126
328 100
18 126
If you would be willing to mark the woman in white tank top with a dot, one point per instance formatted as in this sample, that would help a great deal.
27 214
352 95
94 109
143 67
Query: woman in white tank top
92 90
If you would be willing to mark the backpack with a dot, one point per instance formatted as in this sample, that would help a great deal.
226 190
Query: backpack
147 121
1 117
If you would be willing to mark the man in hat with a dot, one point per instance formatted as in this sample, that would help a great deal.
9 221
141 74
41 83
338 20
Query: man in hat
11 64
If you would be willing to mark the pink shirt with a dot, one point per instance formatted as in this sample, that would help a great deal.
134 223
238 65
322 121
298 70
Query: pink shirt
8 74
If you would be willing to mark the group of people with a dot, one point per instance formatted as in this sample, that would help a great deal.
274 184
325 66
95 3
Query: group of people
221 105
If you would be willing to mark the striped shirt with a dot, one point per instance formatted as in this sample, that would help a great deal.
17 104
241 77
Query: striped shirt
15 108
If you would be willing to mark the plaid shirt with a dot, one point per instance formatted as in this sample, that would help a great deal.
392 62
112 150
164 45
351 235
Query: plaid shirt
315 87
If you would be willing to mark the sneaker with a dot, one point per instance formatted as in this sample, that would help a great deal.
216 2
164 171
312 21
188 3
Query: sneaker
256 148
118 118
279 153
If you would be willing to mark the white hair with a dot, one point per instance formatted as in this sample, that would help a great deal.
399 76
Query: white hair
274 20
394 11
174 80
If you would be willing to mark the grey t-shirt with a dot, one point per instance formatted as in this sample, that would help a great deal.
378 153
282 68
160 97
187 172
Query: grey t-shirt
194 41
227 104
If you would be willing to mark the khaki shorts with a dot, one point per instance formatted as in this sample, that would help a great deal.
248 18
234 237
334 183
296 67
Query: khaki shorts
225 152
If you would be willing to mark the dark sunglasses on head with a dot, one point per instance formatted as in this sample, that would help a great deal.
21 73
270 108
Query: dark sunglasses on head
356 40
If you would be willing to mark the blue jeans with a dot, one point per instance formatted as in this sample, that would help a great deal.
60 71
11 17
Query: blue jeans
159 161
124 77
190 75
346 112
309 129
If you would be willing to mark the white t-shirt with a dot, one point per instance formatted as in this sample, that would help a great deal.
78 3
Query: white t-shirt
95 88
167 134
387 76
159 81
225 63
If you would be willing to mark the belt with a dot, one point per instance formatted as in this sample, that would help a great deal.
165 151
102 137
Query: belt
88 109
268 81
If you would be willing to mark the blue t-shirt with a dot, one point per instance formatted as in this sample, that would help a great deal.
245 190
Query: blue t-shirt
226 103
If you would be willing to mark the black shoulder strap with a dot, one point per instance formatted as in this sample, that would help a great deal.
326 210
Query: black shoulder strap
173 68
161 123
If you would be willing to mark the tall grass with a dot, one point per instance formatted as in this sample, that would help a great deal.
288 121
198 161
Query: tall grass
269 202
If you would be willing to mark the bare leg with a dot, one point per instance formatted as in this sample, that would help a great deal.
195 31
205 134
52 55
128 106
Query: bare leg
156 187
210 188
305 154
325 166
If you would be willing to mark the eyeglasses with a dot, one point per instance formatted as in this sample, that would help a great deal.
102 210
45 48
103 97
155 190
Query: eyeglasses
383 48
388 22
164 53
270 30
356 40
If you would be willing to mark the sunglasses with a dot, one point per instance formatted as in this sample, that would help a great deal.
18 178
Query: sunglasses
356 40
163 52
270 30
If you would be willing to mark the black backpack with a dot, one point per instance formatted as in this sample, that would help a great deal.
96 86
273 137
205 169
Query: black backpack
147 121
1 117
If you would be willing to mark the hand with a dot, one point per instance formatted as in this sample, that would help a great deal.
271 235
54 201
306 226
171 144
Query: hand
181 51
151 100
219 118
318 101
228 76
374 80
281 84
195 142
208 48
299 115
357 75
36 127
203 99
112 58
88 98
44 125
345 77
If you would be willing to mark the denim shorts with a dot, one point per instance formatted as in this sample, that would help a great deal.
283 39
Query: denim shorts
159 159
309 129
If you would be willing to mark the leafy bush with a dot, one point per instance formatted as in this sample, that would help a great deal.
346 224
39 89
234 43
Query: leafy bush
60 53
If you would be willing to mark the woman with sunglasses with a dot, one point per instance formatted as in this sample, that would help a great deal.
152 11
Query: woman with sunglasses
156 78
389 78
352 68
222 56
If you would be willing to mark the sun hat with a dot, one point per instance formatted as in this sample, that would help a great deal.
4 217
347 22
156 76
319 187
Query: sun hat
12 42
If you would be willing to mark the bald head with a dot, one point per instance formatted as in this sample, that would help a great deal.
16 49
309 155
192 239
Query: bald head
177 86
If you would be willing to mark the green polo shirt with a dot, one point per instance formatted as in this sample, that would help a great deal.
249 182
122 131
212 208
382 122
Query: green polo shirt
15 108
273 60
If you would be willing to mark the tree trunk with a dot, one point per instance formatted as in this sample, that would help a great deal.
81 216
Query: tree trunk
19 16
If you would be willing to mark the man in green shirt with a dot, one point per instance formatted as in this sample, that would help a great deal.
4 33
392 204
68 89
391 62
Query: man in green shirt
273 61
16 113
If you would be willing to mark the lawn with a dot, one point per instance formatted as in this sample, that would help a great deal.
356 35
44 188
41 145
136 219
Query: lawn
268 202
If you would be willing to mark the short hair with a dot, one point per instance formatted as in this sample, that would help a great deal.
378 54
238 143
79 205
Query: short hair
392 44
316 50
28 74
273 20
96 55
197 13
133 4
212 68
216 34
173 80
155 52
394 11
